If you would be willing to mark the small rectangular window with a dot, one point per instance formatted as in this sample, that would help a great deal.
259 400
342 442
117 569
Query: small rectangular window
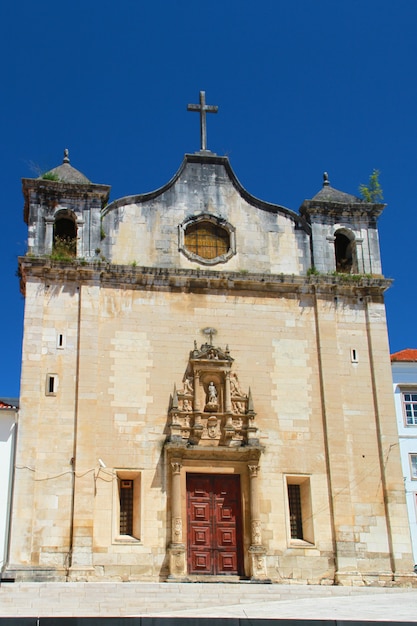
354 355
413 466
296 520
51 385
127 521
126 507
409 401
300 509
60 341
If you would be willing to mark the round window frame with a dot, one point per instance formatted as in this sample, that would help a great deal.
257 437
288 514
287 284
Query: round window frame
217 221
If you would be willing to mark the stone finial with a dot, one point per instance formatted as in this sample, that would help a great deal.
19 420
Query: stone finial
325 179
174 404
66 156
250 402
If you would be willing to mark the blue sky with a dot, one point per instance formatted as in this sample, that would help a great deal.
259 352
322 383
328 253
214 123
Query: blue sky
302 87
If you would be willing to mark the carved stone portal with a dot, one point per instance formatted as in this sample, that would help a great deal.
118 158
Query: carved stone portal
211 418
211 409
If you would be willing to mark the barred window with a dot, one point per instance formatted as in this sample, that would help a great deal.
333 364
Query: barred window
127 510
126 507
207 240
294 502
300 513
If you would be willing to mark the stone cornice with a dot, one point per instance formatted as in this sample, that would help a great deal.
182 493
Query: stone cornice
50 191
197 281
336 209
189 452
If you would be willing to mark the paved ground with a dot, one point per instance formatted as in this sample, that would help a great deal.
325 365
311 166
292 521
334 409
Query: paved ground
207 600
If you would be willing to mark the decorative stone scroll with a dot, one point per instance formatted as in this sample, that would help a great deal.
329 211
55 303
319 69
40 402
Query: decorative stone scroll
211 409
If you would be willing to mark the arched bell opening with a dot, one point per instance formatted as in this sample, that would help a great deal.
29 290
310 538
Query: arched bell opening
65 235
345 252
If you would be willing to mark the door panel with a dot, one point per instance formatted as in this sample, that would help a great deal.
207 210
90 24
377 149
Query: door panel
200 562
227 563
214 524
200 511
226 537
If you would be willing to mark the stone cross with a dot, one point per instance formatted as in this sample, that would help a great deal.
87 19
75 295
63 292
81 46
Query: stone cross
210 332
203 108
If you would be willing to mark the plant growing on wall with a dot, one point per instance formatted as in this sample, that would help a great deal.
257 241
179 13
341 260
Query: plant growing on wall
372 192
64 249
50 176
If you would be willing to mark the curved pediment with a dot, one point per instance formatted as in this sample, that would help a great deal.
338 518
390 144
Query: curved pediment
209 165
203 216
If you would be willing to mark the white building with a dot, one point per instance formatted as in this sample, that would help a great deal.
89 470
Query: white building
8 424
404 375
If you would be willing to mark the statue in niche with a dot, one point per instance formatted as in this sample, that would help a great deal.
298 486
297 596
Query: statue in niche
188 386
238 407
235 389
212 402
187 405
212 394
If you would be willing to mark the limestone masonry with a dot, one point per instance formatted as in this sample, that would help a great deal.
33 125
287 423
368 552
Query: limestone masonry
206 388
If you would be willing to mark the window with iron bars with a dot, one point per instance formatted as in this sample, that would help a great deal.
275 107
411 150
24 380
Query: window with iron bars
126 507
300 511
296 520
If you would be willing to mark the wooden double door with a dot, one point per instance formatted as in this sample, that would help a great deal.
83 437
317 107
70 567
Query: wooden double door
214 515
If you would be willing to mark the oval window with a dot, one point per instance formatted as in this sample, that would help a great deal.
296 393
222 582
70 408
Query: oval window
206 240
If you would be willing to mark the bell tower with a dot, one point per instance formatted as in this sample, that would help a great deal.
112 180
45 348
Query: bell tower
62 210
344 234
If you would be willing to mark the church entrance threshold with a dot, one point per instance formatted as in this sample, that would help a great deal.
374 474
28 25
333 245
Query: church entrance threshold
214 524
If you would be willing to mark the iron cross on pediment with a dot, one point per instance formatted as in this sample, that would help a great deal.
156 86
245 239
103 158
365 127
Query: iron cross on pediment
203 108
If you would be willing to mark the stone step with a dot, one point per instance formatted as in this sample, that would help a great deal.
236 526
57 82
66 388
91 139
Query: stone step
205 599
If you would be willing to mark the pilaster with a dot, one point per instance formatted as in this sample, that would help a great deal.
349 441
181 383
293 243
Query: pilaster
257 552
176 550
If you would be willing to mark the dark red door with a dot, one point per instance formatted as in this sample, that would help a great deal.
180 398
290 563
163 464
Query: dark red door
214 524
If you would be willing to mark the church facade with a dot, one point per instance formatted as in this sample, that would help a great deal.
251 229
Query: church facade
206 387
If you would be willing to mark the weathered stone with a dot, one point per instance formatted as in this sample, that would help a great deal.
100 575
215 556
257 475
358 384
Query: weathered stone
307 421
